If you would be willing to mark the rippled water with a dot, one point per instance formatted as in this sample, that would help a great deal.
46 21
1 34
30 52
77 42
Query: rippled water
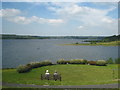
16 52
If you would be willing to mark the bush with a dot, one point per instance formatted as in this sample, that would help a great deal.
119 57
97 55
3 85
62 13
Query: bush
46 63
117 61
67 62
40 64
93 42
35 64
62 61
110 61
28 67
78 61
101 63
23 68
92 62
76 43
83 61
75 61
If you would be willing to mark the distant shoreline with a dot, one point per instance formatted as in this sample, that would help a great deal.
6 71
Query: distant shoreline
113 43
9 36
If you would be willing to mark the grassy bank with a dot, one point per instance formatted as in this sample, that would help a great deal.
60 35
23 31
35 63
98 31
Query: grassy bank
113 43
71 75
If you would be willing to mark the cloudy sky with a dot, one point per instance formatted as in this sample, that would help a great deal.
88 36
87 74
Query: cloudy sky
60 19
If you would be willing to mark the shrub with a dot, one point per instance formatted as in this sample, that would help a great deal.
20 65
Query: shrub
74 61
92 62
78 61
93 42
101 63
28 67
117 61
76 43
67 62
110 61
35 64
40 64
23 68
62 61
83 61
46 63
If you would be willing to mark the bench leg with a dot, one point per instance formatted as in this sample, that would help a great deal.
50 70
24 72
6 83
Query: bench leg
60 78
41 77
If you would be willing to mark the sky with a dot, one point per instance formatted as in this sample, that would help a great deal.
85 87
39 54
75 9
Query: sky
60 18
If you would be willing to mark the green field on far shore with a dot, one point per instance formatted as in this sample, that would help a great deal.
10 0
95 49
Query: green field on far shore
71 75
113 43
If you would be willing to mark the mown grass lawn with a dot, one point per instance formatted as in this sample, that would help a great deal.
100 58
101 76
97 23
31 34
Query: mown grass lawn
71 75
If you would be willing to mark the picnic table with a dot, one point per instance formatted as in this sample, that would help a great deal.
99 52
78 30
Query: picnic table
51 77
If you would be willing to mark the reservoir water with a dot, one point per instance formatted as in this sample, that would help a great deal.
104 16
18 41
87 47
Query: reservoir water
22 51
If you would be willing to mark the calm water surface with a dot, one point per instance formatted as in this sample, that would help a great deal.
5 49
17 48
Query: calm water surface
18 52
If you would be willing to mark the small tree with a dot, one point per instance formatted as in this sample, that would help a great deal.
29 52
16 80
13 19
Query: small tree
110 61
62 61
117 61
93 42
76 43
101 63
23 68
92 62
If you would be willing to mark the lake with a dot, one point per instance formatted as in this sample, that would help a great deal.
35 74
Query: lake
22 51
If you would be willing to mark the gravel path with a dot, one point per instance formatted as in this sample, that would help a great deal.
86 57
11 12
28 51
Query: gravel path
60 86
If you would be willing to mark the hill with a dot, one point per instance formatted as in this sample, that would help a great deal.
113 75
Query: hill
112 38
71 75
13 36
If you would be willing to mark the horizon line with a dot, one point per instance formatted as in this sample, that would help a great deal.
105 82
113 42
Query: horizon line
51 35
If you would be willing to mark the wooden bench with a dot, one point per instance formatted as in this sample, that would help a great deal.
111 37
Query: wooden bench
51 77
